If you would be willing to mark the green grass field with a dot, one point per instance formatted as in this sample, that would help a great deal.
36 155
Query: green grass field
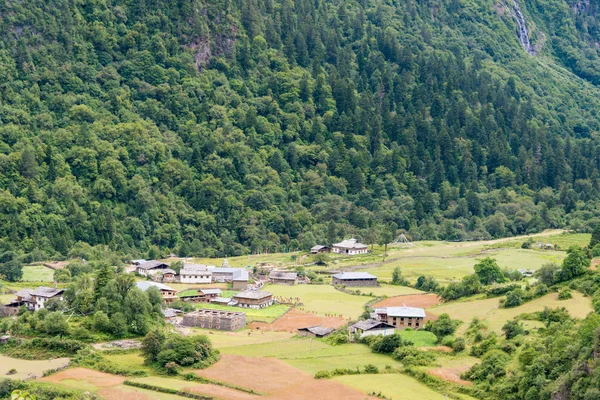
133 361
393 386
37 273
267 314
222 339
322 299
25 368
388 290
419 338
489 311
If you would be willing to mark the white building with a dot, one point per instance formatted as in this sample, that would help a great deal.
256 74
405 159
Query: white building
149 268
41 295
349 247
195 273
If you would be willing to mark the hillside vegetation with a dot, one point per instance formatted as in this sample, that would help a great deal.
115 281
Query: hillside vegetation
227 127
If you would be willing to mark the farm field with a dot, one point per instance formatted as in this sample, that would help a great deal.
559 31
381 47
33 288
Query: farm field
393 386
37 273
294 319
276 379
28 368
217 391
322 299
488 309
267 314
387 290
222 339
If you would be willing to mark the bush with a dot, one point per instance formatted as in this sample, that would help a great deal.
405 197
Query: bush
459 345
323 375
412 357
371 369
514 299
337 339
444 326
387 344
565 294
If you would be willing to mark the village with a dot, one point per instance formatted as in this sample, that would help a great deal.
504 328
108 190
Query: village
246 289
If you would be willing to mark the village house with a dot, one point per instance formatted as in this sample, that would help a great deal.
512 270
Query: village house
149 268
224 301
168 294
253 299
401 317
167 275
315 331
320 249
354 279
215 319
195 273
349 247
170 313
283 277
371 327
239 277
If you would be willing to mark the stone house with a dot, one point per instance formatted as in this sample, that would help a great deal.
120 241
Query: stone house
401 317
215 319
354 279
253 299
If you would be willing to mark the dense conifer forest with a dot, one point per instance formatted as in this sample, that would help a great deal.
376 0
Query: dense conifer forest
229 127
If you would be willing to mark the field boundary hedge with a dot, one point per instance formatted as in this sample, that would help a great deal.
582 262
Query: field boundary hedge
182 393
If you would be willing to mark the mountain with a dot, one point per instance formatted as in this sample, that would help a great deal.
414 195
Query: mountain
226 127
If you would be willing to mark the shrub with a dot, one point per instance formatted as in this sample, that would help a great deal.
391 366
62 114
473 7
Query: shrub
412 357
387 344
323 375
514 298
371 369
458 345
337 339
444 326
565 294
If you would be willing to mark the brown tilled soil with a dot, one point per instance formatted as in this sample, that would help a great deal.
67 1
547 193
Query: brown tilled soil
277 379
410 300
595 263
97 378
116 394
295 319
451 375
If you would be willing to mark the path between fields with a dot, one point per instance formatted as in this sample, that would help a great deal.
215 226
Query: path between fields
550 232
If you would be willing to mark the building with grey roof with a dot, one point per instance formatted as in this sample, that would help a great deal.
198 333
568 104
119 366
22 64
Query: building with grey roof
283 277
371 327
315 331
195 273
401 317
253 299
349 247
354 279
168 294
152 267
238 276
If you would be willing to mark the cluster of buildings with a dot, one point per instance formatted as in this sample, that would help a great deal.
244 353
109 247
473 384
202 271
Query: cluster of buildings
385 321
33 299
193 273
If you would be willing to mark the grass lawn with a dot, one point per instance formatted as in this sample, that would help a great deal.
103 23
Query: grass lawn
322 299
393 386
133 361
37 273
489 311
222 339
267 314
26 367
5 298
419 338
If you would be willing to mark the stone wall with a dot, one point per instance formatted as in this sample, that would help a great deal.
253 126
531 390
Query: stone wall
214 319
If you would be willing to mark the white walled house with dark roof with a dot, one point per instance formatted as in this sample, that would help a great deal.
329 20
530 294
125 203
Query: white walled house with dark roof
371 327
349 247
401 317
283 277
354 279
168 294
40 296
253 299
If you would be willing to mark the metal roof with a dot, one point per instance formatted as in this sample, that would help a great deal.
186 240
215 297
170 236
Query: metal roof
237 274
252 294
44 291
283 275
318 247
350 244
145 285
317 330
354 275
371 324
211 291
410 312
152 264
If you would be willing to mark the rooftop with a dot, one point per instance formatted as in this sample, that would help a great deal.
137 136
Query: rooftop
370 324
44 291
252 294
350 244
153 264
354 275
411 312
145 285
317 330
237 274
170 312
168 271
283 275
211 291
221 299
318 247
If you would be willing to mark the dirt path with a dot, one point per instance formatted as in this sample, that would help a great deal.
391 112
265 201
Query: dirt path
277 379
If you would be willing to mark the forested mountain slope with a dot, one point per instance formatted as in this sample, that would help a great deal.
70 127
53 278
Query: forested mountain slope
224 127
